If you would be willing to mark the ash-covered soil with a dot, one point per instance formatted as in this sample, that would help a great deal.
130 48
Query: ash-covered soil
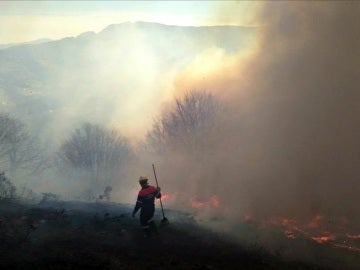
75 235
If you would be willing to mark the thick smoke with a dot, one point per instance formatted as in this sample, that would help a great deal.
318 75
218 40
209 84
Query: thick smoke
287 142
290 136
302 128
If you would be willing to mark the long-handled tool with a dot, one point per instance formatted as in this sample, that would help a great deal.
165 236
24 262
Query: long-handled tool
164 221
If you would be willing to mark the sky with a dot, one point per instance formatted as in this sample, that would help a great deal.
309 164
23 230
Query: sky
22 21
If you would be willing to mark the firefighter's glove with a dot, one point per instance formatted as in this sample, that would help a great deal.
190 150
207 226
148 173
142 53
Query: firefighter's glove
158 189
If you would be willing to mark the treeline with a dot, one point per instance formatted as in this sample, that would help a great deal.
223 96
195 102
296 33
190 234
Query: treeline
96 154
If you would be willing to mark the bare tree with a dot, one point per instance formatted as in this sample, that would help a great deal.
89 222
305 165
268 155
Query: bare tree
95 149
186 123
18 149
7 189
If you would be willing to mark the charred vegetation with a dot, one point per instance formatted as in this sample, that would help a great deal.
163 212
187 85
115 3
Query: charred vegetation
78 235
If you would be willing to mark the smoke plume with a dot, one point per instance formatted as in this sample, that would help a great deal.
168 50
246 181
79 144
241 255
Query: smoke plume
289 141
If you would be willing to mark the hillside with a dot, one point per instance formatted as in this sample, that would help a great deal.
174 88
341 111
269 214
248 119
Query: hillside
38 41
77 235
89 75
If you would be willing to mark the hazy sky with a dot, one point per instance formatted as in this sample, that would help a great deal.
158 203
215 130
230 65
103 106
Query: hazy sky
29 20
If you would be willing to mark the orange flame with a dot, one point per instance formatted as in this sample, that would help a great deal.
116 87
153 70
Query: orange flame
316 229
212 202
165 197
323 239
215 201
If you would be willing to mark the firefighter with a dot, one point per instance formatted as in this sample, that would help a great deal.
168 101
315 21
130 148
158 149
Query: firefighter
146 201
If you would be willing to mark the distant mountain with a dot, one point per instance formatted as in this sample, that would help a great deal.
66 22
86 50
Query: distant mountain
37 41
91 74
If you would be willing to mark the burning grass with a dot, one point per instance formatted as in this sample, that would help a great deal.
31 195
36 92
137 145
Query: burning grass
74 235
319 229
322 230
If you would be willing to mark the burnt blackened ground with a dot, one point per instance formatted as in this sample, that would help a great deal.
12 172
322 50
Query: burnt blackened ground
73 235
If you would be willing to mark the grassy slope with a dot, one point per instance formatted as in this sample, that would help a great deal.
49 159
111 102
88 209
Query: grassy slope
46 238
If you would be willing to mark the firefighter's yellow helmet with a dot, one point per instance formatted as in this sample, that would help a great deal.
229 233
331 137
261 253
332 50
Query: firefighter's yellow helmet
143 179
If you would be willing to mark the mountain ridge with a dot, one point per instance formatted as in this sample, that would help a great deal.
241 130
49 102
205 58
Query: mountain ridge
36 41
36 79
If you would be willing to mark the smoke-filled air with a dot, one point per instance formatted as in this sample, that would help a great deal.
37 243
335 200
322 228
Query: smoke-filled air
251 124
